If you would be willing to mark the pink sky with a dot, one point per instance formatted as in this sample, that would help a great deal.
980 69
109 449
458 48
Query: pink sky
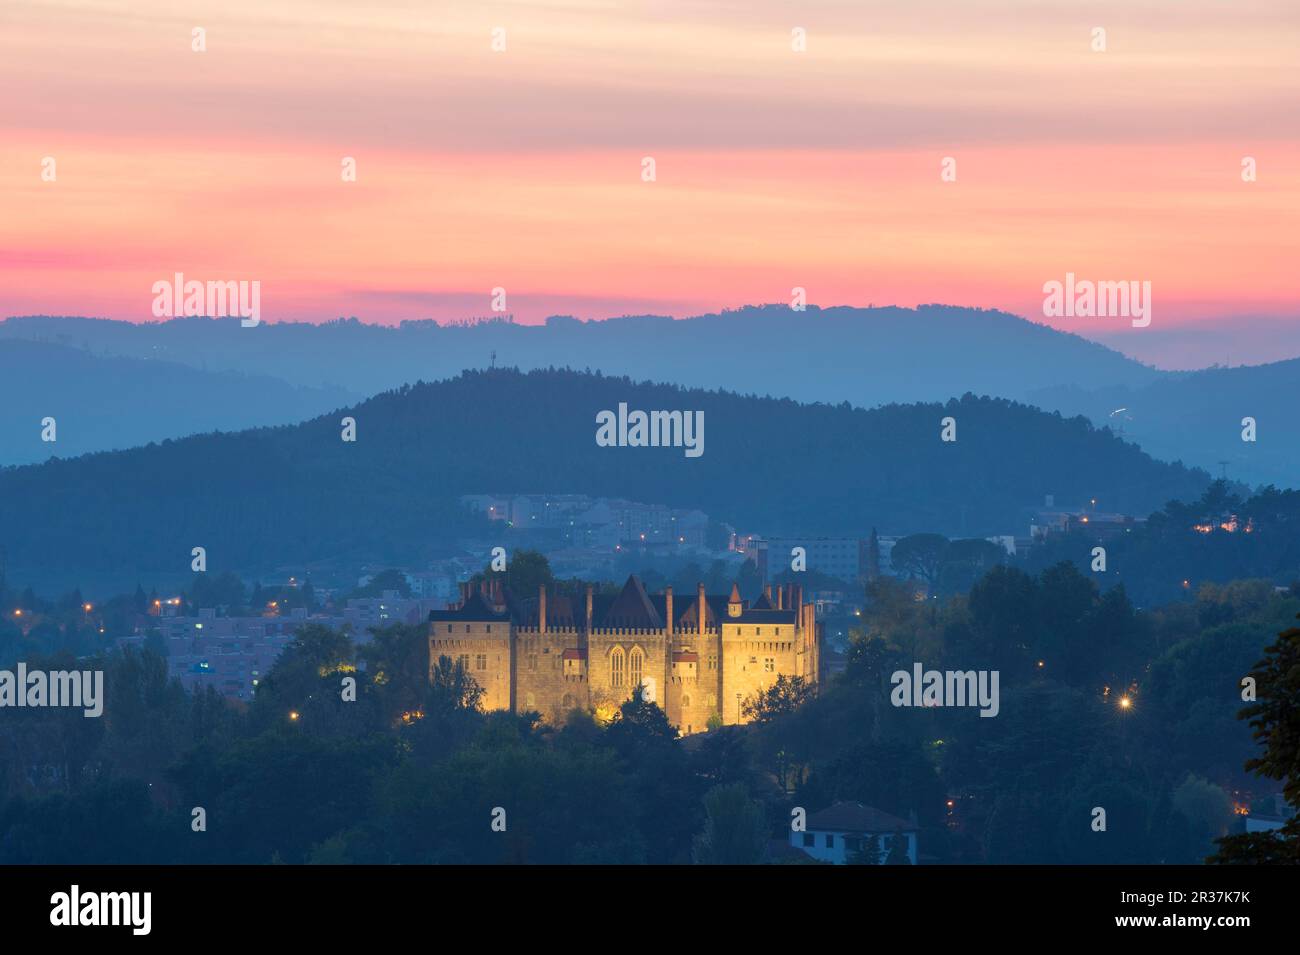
775 169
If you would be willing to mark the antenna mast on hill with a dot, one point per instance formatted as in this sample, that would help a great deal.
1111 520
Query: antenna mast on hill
494 359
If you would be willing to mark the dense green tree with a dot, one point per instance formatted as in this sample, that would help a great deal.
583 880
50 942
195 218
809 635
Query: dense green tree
225 590
397 667
526 571
867 852
735 830
921 556
385 580
1275 719
897 854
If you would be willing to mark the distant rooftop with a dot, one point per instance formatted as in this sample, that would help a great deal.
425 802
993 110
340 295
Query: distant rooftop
855 817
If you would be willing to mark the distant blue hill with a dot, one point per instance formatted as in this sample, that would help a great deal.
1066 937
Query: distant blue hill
1196 417
104 403
864 356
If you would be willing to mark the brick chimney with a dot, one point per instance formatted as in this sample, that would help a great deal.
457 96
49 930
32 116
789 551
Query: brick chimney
701 607
668 609
767 592
589 591
541 607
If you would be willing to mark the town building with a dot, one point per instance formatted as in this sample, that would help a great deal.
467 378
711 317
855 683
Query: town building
835 834
1097 524
233 654
844 558
388 609
584 522
229 654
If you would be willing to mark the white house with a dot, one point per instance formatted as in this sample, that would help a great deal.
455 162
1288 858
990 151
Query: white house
835 834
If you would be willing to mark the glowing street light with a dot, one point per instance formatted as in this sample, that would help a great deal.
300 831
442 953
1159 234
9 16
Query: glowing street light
1125 702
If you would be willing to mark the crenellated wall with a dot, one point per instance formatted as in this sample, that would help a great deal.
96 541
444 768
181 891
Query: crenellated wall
698 669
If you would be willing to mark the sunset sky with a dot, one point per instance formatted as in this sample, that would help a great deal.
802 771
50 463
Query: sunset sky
775 168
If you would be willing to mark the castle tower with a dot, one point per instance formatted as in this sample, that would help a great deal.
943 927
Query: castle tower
734 604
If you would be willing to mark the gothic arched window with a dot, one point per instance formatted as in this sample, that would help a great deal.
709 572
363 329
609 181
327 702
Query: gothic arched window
636 661
616 667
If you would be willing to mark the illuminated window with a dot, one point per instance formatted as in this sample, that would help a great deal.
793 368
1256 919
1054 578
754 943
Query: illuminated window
769 664
616 667
636 660
480 661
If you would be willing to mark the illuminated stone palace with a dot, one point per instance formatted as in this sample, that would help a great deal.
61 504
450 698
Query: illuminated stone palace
699 657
